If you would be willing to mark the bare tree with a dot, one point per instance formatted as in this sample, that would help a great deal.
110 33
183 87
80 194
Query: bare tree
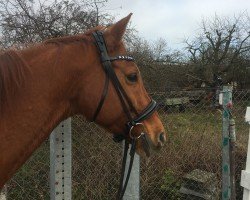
158 63
156 51
220 46
24 21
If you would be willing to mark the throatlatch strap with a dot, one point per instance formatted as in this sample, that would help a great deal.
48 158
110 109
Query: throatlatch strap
104 94
106 61
100 42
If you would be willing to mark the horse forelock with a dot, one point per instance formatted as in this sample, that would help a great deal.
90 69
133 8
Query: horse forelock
12 73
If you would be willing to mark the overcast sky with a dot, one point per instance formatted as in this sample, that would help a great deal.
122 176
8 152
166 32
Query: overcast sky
173 20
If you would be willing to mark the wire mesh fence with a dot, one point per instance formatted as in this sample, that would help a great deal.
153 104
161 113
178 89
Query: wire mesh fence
190 159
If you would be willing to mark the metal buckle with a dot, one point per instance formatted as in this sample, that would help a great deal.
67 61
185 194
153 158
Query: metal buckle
136 137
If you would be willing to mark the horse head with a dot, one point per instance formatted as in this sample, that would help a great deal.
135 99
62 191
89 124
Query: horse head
100 100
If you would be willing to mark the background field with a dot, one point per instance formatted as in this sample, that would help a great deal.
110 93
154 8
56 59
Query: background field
194 143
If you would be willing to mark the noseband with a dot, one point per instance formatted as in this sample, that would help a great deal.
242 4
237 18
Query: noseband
126 105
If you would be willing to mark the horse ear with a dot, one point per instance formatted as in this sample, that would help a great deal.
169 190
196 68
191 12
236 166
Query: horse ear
117 30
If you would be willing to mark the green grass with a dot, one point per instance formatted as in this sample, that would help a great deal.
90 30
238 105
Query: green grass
194 142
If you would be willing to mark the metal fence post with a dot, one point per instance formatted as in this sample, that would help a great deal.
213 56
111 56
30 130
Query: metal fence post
245 174
226 183
60 162
133 188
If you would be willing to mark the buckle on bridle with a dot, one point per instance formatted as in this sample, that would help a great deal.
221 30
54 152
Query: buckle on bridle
131 130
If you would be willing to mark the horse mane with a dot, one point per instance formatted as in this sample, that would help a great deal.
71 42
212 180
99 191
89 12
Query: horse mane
13 68
12 73
74 38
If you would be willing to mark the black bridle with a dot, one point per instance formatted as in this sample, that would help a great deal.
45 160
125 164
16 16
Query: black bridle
126 105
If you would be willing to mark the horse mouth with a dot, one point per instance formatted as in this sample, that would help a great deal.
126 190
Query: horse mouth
147 146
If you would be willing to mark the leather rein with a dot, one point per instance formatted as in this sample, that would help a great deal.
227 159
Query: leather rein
127 107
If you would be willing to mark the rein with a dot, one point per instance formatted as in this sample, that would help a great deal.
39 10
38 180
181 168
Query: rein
126 105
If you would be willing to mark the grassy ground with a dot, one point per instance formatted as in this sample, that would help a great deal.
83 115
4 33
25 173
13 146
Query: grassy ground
194 143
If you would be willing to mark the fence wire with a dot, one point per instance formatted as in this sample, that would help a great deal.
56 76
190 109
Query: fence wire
190 159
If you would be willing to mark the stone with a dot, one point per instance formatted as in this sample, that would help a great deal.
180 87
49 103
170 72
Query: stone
200 185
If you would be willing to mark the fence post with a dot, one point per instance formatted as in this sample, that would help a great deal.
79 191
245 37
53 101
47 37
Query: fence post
133 188
3 193
60 162
245 174
226 183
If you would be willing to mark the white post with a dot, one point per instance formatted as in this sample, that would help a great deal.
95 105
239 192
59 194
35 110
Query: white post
3 193
60 162
245 174
133 188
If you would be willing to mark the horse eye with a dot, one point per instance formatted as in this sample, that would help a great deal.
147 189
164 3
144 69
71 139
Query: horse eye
132 78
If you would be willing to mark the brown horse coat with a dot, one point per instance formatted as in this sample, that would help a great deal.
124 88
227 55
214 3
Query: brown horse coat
47 83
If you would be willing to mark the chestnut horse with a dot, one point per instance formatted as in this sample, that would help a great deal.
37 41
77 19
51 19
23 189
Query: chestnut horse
42 85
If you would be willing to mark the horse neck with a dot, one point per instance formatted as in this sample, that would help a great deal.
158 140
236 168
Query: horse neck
42 104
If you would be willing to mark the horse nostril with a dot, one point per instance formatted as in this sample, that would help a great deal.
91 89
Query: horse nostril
162 137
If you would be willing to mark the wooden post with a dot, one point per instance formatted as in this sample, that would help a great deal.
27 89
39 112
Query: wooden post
133 188
60 162
226 183
245 174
